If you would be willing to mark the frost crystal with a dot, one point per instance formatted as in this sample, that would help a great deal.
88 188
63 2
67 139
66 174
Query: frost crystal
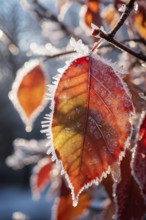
78 46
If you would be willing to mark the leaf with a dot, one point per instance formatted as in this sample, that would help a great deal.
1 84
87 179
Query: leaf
139 158
138 101
129 202
140 19
28 92
90 122
41 176
110 15
63 206
108 186
92 13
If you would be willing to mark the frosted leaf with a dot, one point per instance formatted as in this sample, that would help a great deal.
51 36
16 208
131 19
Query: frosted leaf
88 132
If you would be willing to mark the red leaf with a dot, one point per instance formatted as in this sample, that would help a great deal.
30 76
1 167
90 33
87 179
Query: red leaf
90 122
139 160
41 175
28 92
130 203
63 207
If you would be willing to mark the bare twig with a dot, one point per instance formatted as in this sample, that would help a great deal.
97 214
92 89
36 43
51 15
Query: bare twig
116 43
124 16
58 55
44 13
110 36
64 53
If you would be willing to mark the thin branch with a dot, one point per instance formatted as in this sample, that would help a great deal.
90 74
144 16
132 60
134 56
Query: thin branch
110 36
44 13
64 53
116 43
58 55
124 16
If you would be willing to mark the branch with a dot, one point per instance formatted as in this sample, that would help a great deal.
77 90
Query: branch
121 46
124 16
44 13
58 55
110 36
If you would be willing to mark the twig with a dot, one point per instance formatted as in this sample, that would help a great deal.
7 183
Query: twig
58 55
64 53
42 12
110 36
116 43
124 16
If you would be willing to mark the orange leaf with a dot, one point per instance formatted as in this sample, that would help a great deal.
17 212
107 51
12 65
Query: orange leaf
41 175
140 19
91 14
129 202
63 207
90 122
110 15
28 92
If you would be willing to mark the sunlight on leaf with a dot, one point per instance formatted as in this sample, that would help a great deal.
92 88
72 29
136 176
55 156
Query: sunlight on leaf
139 160
129 202
28 92
90 122
63 207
